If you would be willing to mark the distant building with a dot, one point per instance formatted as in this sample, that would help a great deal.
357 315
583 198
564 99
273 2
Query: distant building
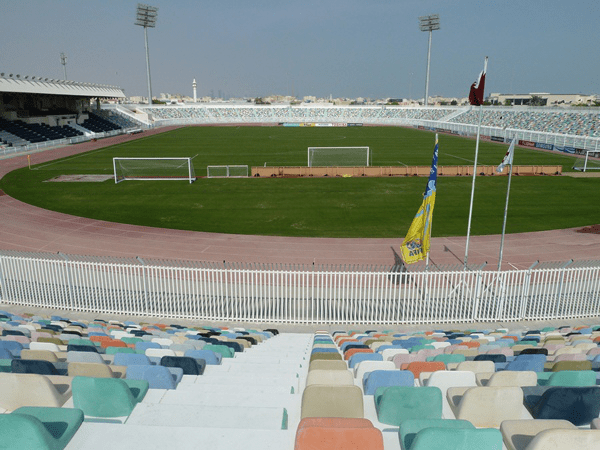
545 99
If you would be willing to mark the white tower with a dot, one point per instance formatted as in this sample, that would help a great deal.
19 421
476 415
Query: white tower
194 87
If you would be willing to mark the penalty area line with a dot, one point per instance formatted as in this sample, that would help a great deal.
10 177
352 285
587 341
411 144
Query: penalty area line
458 157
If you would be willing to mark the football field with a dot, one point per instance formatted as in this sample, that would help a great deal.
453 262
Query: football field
317 207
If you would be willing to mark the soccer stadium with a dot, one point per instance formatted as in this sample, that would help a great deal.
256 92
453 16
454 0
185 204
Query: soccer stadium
213 275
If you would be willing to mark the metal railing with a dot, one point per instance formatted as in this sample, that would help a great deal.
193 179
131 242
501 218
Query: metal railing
297 294
556 139
59 142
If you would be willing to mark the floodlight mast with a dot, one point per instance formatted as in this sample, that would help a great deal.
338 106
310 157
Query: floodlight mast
429 23
146 17
63 61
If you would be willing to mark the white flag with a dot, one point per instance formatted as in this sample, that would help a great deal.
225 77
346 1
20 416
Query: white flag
508 158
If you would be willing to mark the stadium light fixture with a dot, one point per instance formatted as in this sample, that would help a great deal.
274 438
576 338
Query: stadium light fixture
63 61
146 17
429 23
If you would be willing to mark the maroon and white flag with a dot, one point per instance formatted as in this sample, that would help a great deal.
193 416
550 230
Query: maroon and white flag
476 93
508 158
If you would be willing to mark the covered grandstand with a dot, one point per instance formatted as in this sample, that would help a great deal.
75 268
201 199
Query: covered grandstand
39 112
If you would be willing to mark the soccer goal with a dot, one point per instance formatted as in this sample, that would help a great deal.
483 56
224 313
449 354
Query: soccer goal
239 171
339 156
588 161
153 169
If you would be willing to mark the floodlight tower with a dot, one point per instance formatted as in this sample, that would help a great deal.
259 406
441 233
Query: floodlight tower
429 23
63 61
146 17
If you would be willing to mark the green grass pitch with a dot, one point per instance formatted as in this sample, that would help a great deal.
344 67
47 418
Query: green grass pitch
323 207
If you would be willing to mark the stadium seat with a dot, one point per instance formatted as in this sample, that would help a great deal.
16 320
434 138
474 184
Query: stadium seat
334 422
486 406
99 370
339 436
518 434
417 367
457 439
39 427
87 357
508 378
332 401
491 357
5 354
364 367
43 355
158 377
189 365
476 366
320 364
330 377
449 358
397 403
534 362
225 351
411 427
326 356
18 389
40 367
386 378
560 439
82 348
579 405
357 358
107 397
210 357
13 347
130 359
569 378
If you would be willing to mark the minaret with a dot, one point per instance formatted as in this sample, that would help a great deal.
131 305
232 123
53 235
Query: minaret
194 86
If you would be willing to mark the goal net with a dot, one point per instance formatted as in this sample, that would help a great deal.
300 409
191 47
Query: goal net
339 156
153 169
590 160
227 171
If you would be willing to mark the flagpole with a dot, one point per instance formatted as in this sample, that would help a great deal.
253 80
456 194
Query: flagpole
505 214
430 228
474 175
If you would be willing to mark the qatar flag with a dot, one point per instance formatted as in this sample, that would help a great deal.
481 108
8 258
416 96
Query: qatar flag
476 93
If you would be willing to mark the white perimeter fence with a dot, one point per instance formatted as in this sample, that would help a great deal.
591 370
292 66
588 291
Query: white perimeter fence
306 296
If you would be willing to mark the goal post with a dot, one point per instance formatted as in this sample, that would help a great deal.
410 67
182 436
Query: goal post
230 171
126 168
339 156
588 161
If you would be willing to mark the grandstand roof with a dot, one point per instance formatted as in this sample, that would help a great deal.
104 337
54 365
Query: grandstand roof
38 85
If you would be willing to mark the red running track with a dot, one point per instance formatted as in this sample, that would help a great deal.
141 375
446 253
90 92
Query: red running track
28 228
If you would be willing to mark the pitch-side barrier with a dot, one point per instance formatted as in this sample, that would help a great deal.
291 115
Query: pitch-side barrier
299 295
397 171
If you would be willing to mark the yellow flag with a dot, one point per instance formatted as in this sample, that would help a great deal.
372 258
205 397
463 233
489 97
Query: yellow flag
417 242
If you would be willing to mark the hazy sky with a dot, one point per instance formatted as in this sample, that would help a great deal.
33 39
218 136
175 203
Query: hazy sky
346 48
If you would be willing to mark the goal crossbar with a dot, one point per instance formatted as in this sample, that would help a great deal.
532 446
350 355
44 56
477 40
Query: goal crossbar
339 156
156 168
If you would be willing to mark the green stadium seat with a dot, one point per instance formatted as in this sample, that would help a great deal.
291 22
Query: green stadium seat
39 427
107 397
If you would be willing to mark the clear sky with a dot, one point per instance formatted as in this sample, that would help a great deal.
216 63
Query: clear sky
344 48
